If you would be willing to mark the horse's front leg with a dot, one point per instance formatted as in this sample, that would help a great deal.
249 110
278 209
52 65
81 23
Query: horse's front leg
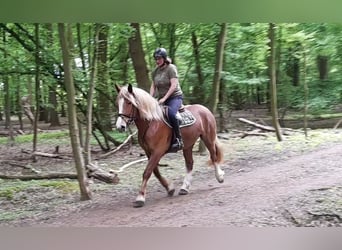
189 162
151 166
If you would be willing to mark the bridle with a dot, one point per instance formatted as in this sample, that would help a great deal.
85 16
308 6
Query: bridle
130 118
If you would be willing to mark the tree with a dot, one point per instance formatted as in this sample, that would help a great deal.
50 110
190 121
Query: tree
37 90
273 81
8 121
218 67
89 116
65 41
52 88
103 107
199 86
138 58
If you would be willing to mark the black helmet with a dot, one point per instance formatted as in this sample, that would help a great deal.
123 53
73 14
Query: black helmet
160 52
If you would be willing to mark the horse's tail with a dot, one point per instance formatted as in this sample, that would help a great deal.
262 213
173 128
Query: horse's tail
219 153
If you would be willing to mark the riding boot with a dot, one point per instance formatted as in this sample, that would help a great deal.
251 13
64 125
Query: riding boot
177 144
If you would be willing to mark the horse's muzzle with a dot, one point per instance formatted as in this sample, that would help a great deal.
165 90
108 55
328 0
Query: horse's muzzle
121 125
122 128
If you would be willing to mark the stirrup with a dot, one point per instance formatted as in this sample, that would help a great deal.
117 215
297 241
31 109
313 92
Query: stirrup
178 144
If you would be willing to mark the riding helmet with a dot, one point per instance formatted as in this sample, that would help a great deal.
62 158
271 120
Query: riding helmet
160 52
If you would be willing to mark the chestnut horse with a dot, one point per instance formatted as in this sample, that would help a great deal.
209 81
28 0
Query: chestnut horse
154 136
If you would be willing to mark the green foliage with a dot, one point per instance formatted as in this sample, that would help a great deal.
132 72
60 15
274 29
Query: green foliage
245 73
323 96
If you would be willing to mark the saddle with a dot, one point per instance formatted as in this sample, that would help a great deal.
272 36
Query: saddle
184 116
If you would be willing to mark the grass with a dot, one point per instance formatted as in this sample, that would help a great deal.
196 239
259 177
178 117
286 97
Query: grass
58 137
9 188
42 137
313 116
14 193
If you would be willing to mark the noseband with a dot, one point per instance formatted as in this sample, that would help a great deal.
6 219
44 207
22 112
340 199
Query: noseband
129 119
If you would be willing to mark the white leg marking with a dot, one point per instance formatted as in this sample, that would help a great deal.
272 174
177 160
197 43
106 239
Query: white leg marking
187 181
219 173
140 197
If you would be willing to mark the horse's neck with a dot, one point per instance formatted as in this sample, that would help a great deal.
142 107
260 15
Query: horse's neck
141 124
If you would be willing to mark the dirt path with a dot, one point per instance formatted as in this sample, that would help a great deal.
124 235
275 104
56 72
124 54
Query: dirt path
285 193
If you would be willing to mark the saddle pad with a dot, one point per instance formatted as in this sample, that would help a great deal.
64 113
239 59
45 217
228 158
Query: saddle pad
185 119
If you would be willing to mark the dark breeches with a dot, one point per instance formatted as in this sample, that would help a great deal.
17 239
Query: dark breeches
174 103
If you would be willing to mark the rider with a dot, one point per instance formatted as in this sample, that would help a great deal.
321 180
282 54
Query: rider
166 87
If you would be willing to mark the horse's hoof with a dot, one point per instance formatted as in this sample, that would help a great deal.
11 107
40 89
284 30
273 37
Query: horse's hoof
171 192
183 192
220 180
138 204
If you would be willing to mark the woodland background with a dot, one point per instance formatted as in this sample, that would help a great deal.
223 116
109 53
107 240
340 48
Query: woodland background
32 65
50 71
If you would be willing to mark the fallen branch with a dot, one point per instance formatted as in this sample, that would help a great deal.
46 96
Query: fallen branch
337 124
253 133
40 176
223 137
241 134
257 125
101 175
129 164
119 147
289 216
46 155
265 127
16 164
42 154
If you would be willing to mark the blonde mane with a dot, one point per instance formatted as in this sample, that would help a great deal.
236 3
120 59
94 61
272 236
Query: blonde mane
148 106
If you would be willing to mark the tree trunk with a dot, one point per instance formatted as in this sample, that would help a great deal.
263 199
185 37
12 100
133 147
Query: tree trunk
138 58
52 110
37 92
104 107
293 64
7 109
322 63
171 27
53 114
65 38
306 96
278 55
80 48
218 68
89 115
198 90
223 106
273 82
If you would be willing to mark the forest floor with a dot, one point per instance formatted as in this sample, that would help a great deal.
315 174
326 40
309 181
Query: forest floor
296 182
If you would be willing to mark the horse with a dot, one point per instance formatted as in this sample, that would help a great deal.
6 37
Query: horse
136 105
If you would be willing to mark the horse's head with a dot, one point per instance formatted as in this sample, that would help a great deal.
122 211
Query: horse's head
126 107
135 103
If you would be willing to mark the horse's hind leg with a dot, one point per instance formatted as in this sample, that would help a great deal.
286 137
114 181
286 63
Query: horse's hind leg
189 162
214 151
167 185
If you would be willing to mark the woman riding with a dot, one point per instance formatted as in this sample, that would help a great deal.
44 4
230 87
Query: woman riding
166 88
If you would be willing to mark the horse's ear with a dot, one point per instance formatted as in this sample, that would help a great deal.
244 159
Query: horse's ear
130 88
118 88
